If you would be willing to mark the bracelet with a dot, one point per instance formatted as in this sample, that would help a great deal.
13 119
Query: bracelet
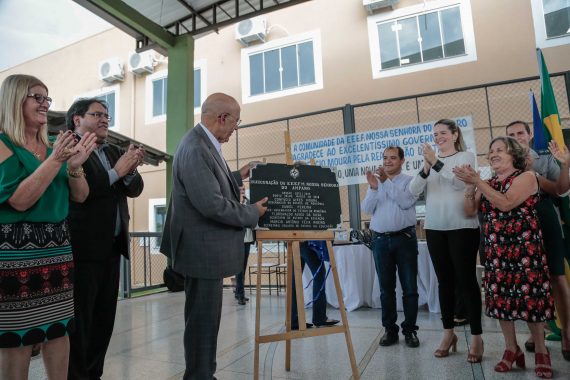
77 173
437 166
469 196
132 172
423 174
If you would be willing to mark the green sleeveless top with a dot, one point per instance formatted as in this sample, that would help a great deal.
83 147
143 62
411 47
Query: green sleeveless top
53 205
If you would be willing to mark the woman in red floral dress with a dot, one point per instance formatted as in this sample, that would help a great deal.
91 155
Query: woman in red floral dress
517 283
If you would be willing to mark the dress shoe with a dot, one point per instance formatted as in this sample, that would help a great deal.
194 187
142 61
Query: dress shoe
543 367
329 322
476 358
389 338
443 353
565 353
296 327
509 357
529 346
241 301
412 339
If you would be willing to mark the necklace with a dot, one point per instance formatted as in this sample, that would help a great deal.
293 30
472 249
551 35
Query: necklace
36 155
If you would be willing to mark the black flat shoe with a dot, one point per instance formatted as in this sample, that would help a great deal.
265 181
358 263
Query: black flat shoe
295 327
328 323
241 301
389 338
529 346
412 339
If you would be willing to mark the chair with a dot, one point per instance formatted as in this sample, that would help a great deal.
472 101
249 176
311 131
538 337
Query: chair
281 271
271 252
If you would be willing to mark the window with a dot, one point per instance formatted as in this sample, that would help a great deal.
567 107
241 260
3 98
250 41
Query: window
157 86
156 219
111 96
551 22
421 37
282 67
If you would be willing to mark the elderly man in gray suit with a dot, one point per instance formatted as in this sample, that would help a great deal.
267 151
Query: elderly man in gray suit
204 229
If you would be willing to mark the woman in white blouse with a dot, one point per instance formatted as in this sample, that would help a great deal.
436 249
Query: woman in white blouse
452 238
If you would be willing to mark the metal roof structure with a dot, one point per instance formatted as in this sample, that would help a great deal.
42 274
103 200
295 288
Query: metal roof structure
173 18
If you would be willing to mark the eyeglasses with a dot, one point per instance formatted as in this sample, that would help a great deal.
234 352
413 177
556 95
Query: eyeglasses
100 115
238 121
40 98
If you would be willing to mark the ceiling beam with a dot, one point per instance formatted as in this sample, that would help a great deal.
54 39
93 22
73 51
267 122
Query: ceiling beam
192 10
132 19
212 8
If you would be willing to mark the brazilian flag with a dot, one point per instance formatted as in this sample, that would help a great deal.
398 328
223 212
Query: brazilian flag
552 130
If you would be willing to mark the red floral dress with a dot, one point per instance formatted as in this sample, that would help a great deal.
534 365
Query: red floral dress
517 283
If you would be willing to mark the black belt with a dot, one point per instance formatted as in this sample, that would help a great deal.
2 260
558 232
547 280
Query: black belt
403 231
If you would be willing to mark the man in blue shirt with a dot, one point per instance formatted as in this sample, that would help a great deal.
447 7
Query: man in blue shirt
394 244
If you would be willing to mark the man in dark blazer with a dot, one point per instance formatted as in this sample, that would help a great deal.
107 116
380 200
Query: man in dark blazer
204 228
99 236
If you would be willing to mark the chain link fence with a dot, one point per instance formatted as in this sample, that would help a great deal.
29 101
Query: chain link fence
491 107
147 264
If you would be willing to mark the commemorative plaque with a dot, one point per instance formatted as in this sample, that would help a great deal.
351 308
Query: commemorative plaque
301 197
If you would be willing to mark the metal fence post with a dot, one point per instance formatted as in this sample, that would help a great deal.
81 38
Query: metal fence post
125 275
353 190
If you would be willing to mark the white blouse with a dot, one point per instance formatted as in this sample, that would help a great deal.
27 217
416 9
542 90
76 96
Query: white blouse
444 195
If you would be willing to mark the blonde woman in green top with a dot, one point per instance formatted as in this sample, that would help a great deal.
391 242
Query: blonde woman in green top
37 179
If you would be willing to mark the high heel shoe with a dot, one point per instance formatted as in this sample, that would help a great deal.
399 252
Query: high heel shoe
565 353
476 358
509 357
543 368
439 353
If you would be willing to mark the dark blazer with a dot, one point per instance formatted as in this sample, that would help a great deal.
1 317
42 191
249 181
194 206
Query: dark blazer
203 232
92 223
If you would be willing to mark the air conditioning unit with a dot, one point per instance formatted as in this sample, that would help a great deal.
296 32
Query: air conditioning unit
111 70
250 30
140 63
372 5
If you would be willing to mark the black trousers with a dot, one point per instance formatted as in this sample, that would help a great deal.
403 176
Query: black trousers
95 297
202 315
454 257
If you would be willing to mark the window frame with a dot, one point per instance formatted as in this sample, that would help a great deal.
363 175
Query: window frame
152 204
314 36
417 10
149 97
542 40
199 64
103 91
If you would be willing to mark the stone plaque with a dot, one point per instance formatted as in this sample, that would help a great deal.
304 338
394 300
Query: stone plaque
301 197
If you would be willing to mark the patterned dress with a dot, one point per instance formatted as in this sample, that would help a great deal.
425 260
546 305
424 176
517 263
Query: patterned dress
36 263
517 283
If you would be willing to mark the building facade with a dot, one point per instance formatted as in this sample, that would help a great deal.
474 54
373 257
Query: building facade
322 55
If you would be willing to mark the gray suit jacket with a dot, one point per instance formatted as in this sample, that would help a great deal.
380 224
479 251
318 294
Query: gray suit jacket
204 227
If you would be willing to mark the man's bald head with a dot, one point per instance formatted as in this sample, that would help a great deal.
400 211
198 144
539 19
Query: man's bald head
220 114
218 103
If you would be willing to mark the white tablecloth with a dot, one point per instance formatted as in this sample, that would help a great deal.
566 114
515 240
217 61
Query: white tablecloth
359 283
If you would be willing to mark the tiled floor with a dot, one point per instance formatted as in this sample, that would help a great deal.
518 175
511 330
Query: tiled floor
147 344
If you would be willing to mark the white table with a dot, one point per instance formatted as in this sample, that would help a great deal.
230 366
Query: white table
359 283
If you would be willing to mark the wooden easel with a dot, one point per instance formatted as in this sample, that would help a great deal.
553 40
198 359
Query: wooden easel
293 238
